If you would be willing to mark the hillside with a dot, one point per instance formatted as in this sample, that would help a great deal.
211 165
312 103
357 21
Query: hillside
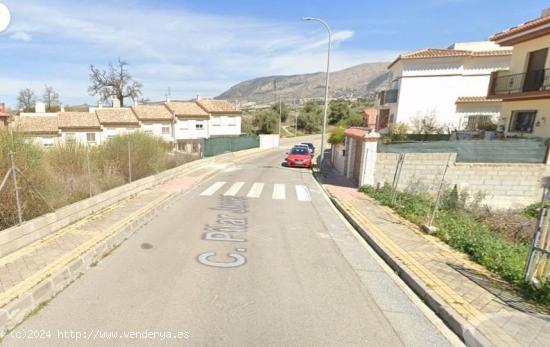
357 81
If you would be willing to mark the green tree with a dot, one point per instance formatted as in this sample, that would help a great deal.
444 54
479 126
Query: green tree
311 117
284 111
266 122
338 110
352 120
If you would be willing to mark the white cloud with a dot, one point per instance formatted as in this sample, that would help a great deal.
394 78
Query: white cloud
21 35
187 51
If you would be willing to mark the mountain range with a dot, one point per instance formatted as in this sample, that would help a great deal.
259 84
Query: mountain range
357 81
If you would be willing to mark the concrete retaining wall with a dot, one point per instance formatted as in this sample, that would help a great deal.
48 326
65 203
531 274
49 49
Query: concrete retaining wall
505 185
19 236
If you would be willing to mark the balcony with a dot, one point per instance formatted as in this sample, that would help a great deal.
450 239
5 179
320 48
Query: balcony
527 85
387 97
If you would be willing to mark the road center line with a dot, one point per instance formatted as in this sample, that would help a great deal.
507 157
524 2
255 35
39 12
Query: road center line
234 189
212 189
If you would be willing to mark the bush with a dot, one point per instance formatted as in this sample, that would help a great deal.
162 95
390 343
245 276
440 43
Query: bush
398 131
266 122
461 230
336 135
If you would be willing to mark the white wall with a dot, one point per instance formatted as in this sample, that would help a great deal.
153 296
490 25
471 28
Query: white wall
81 136
338 159
110 131
45 140
224 125
156 129
187 129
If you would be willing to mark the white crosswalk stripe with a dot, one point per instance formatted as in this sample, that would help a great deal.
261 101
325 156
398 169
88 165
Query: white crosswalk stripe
279 192
212 189
256 190
234 189
302 193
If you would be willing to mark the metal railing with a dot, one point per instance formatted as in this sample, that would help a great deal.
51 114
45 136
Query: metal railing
538 80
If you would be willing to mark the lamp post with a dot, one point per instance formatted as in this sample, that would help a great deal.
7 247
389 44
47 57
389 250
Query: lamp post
326 87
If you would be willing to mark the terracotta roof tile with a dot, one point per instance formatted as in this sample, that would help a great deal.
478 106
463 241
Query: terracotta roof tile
448 52
218 106
186 109
37 124
469 99
532 24
152 112
356 132
78 120
121 115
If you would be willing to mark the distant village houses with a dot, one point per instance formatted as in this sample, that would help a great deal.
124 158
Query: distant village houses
184 124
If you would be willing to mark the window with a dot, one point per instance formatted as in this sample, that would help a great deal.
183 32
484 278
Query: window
166 130
148 129
199 126
216 121
184 125
522 121
478 122
232 121
90 137
70 137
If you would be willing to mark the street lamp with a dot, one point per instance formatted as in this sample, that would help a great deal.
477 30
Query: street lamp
326 86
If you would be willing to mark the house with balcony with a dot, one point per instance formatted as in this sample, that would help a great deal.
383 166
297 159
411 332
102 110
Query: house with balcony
156 120
447 84
524 88
81 127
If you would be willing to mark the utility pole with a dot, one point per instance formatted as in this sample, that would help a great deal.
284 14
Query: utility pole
280 114
129 161
326 86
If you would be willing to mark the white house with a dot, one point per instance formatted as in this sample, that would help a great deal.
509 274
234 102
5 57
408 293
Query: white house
191 125
117 121
82 127
156 120
44 130
450 84
225 119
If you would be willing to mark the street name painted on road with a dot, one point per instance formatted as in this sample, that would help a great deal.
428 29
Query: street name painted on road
231 223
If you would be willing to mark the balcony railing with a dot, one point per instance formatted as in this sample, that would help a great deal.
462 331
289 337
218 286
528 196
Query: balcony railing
532 81
388 96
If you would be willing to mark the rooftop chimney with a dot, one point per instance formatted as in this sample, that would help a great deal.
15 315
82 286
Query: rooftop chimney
545 12
116 103
40 107
198 97
62 108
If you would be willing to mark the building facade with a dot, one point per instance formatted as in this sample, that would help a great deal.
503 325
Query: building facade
525 87
448 85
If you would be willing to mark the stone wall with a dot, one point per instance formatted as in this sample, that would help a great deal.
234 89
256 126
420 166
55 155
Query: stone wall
505 185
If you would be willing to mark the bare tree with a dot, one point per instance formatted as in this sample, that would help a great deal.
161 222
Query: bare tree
26 100
426 124
114 82
51 99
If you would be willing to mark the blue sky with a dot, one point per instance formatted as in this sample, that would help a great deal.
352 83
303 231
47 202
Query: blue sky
204 47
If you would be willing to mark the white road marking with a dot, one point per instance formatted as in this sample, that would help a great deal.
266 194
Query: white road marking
212 189
256 190
279 192
234 189
302 193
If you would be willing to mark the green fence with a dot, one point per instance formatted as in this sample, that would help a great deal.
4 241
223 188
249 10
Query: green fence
222 144
478 151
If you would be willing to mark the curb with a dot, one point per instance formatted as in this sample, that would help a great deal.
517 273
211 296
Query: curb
447 314
15 312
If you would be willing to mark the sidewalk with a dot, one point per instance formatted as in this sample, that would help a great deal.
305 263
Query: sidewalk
37 272
471 301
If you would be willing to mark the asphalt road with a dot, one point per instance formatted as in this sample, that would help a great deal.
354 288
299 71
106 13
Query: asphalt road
265 262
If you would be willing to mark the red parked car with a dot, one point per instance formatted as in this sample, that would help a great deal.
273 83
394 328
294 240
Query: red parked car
299 157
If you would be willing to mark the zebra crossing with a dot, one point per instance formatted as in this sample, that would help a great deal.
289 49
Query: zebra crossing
278 191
